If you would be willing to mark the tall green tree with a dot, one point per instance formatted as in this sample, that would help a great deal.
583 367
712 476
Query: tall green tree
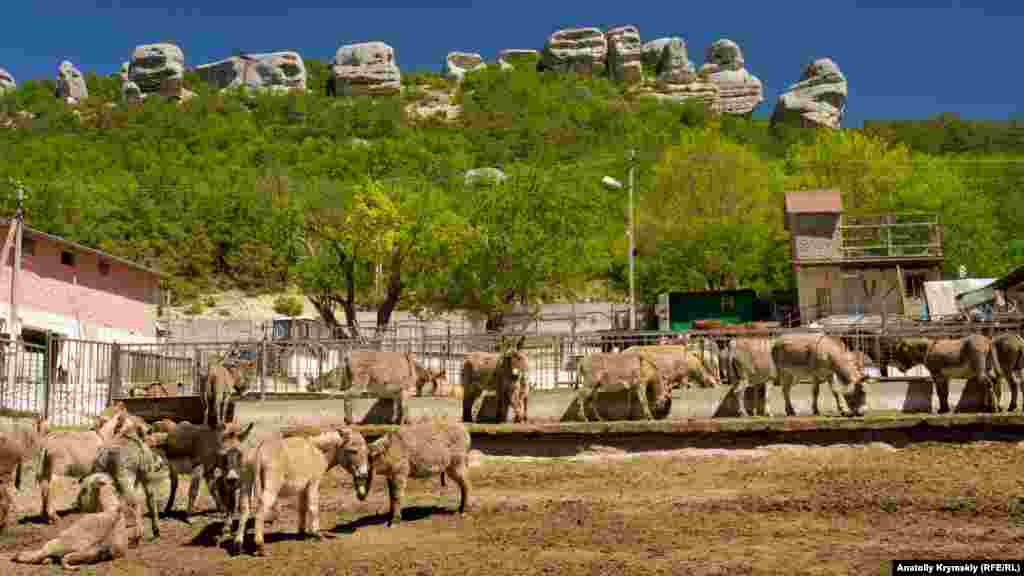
712 219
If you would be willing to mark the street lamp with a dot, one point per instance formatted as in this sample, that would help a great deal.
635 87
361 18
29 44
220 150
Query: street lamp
613 184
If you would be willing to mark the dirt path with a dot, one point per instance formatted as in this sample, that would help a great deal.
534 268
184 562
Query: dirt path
773 510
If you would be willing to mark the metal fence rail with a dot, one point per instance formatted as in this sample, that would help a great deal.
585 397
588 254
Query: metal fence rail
71 381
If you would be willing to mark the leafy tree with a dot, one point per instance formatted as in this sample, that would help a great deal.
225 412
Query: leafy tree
410 231
712 219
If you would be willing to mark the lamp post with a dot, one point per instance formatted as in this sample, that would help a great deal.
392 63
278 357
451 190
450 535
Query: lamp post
13 330
614 184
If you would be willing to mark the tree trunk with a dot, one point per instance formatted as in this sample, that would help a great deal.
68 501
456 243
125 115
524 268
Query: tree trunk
391 297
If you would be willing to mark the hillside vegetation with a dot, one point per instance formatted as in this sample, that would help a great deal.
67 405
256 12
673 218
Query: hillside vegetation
263 193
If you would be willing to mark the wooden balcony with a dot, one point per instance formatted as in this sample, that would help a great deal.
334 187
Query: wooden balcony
887 239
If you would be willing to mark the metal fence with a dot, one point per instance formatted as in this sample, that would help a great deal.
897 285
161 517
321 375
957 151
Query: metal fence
71 381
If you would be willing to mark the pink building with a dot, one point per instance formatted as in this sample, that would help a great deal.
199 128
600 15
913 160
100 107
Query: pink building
79 292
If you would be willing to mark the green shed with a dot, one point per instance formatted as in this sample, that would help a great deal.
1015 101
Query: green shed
678 310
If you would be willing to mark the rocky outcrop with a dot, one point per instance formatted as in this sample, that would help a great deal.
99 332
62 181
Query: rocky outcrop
677 79
130 92
70 83
651 51
151 64
7 83
478 176
739 91
582 50
436 104
457 64
625 54
277 71
818 99
366 68
518 58
174 89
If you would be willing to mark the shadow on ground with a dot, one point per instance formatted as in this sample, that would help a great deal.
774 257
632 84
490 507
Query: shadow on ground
409 514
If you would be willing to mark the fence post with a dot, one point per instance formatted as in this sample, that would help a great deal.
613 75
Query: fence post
261 355
114 379
51 371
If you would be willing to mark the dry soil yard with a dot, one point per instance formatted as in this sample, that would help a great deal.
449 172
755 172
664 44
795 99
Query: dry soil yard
775 510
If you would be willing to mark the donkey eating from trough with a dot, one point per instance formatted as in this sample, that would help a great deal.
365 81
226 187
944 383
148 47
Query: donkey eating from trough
969 357
820 358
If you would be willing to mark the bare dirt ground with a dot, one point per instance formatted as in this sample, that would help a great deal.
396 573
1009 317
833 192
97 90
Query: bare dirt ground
781 509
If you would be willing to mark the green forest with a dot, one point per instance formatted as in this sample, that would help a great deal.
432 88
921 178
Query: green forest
356 203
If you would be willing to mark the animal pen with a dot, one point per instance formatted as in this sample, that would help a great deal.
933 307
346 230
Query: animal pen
71 381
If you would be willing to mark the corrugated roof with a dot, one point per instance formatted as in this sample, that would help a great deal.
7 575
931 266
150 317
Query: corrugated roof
32 231
814 201
940 295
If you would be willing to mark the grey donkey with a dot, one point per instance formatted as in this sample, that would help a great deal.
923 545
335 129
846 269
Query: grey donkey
131 462
421 451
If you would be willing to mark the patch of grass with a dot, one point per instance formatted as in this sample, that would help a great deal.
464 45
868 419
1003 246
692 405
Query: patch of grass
960 505
1016 509
887 503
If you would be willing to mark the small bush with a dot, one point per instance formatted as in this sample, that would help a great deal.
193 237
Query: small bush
288 305
195 309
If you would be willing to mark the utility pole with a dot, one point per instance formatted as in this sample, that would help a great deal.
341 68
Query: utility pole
632 245
13 330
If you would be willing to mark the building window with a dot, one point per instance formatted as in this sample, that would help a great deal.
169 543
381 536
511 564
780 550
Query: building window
914 284
104 268
728 303
824 300
67 258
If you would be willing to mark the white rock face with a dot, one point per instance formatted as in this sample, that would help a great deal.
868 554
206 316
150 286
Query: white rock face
279 71
625 54
479 176
677 80
739 91
818 99
457 64
583 50
651 51
7 83
130 92
674 65
518 58
70 83
152 63
366 68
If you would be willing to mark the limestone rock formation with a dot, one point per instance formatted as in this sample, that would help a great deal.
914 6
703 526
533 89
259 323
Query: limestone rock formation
676 78
7 83
174 89
674 65
130 92
625 54
651 51
739 91
518 58
70 83
818 99
457 64
478 176
152 63
583 50
366 68
435 104
278 71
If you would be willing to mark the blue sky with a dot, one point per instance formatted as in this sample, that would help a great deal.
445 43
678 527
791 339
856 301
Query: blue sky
903 58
